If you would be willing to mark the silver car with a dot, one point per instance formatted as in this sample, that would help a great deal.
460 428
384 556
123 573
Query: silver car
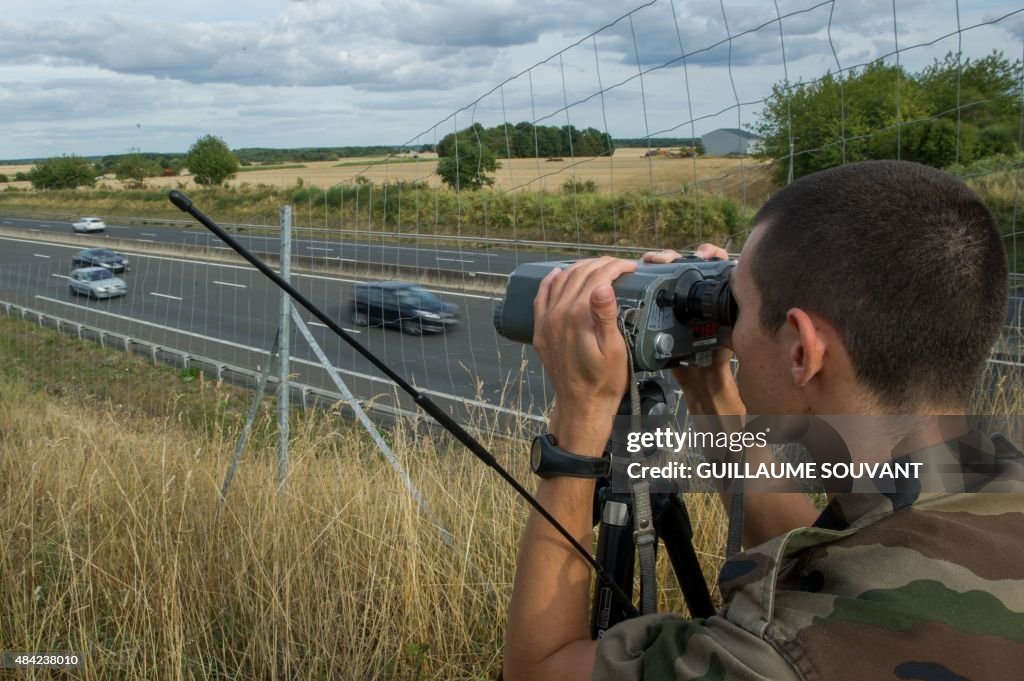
96 282
89 225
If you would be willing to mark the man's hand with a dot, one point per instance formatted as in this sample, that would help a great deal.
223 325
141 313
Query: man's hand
577 337
702 384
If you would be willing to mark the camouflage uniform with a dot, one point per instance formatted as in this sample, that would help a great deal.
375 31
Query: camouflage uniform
883 586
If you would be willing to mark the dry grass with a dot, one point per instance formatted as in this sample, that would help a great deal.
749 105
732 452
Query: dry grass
112 541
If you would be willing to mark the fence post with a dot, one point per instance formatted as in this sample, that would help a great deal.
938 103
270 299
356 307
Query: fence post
284 365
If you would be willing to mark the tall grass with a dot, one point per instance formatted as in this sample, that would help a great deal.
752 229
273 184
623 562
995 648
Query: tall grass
631 218
114 543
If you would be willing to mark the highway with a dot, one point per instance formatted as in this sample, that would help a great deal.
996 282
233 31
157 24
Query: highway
434 255
230 313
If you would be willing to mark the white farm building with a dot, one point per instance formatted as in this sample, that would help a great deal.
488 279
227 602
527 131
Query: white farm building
726 141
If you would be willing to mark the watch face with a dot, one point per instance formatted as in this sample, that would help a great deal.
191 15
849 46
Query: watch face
535 449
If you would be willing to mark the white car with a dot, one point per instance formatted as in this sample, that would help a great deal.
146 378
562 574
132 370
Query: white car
89 225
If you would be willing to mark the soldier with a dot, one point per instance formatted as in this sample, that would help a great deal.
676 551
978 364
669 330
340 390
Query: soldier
875 288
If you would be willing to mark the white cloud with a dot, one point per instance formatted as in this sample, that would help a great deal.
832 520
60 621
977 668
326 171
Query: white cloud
108 75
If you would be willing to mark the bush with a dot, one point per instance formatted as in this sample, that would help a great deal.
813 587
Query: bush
575 186
65 172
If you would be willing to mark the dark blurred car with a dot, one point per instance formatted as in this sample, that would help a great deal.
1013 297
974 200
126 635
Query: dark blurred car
99 257
397 303
96 282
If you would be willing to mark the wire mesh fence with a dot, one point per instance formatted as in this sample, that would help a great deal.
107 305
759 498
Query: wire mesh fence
665 128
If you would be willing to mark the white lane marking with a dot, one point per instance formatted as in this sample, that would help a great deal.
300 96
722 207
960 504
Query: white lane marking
146 234
325 326
163 295
60 276
34 230
7 222
249 269
218 248
263 352
44 224
228 283
117 227
148 241
451 260
493 274
40 255
318 248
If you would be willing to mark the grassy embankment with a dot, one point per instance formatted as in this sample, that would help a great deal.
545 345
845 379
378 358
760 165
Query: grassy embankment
112 542
626 218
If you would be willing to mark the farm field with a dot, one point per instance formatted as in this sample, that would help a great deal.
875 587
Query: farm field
743 179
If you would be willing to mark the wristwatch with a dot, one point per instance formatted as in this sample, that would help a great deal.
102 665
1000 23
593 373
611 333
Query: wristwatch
548 460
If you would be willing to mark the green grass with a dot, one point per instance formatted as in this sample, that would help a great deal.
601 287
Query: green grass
389 161
254 169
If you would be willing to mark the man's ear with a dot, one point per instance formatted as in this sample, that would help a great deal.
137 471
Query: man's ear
807 345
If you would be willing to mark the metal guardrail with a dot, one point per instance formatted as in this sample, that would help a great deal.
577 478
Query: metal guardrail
310 396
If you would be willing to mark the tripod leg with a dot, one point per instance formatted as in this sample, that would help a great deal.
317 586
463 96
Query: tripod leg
615 551
673 526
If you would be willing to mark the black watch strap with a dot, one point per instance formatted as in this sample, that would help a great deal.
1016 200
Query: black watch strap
549 460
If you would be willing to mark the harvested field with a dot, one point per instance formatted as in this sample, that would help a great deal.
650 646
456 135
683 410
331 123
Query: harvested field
743 179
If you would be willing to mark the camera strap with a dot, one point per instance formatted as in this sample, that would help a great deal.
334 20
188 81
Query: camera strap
644 535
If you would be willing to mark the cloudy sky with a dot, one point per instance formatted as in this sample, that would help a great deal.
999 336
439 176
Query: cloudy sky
104 76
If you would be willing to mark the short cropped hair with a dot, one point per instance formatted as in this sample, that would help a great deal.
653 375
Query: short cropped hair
903 260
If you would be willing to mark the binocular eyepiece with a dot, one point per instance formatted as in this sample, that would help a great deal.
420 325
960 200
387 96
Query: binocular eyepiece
707 300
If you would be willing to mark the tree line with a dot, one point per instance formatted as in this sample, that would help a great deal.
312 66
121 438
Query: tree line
526 140
209 160
954 111
467 156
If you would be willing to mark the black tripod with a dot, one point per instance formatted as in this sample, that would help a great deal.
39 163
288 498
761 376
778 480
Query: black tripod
616 548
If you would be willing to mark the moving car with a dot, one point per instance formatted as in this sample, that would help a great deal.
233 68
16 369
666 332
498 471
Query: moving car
100 257
89 225
397 303
96 282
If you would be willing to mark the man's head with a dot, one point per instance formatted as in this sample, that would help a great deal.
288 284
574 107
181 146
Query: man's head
891 273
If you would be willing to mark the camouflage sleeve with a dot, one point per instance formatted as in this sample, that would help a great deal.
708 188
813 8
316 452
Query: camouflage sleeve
667 647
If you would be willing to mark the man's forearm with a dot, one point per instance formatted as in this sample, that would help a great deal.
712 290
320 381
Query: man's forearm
548 633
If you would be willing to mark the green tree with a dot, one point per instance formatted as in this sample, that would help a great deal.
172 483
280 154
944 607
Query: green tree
881 111
64 172
468 168
211 161
525 140
135 167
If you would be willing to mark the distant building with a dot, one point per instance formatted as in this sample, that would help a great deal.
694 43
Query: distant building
726 141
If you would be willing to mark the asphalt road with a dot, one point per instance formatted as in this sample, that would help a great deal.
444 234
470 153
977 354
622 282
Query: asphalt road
230 313
439 255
